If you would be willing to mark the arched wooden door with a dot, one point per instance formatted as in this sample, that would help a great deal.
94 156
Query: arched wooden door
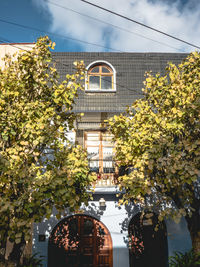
80 241
148 246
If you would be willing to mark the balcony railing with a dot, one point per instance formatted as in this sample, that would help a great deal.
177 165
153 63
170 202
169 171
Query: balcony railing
106 171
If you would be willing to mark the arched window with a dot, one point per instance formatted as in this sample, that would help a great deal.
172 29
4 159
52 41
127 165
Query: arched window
100 77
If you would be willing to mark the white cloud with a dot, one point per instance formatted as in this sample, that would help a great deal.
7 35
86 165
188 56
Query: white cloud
171 17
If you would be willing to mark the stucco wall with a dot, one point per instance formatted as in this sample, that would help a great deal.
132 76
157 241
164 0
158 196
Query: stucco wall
116 219
178 236
113 218
12 49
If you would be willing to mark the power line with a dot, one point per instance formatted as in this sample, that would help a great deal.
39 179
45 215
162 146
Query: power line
9 42
59 62
12 44
58 35
142 24
112 25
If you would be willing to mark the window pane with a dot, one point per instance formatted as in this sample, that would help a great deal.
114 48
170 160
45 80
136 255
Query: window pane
94 166
94 82
73 227
95 70
88 227
107 137
93 158
92 143
107 140
107 143
105 70
93 136
106 82
93 152
107 153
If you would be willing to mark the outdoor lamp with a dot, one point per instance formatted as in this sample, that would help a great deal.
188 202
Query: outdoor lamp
102 203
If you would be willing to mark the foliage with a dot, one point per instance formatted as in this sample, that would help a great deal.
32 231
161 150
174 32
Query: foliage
188 259
28 261
39 168
31 261
159 137
8 264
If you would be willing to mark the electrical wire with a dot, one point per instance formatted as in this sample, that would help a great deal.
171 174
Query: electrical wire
59 62
112 25
65 65
57 35
12 44
141 24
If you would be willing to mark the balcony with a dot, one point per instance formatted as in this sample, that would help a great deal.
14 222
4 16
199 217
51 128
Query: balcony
106 170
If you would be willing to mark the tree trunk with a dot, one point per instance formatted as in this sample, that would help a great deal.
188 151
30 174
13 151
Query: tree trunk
196 242
17 252
2 252
3 246
193 223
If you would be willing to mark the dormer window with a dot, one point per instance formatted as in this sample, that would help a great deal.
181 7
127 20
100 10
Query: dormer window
100 77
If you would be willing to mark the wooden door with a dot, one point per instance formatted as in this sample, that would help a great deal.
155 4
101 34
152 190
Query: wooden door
148 247
80 241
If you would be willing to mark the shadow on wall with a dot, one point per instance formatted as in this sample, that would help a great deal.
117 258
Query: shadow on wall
41 233
131 211
93 210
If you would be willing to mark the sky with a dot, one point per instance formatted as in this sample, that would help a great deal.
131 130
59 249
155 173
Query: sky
78 26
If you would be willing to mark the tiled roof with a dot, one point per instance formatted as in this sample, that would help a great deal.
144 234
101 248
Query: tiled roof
130 69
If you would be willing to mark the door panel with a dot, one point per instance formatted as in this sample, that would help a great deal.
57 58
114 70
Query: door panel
80 241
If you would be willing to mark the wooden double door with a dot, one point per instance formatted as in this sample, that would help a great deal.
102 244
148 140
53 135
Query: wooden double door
80 241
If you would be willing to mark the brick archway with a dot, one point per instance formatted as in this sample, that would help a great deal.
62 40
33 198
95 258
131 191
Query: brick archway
80 241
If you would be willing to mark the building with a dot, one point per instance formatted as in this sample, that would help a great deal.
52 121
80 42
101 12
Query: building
12 48
105 234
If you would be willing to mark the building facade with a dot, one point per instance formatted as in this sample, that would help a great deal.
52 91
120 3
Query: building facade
105 234
13 48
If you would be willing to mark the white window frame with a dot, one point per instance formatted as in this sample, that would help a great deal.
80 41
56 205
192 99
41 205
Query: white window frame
99 62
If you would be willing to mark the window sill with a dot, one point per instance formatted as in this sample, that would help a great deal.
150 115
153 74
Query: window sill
100 91
105 190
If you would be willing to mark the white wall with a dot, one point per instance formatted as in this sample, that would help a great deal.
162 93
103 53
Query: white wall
112 217
116 219
12 49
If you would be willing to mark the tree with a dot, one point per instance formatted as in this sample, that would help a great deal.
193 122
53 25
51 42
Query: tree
159 137
39 168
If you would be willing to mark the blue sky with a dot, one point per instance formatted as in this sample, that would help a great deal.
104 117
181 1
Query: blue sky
180 18
28 13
